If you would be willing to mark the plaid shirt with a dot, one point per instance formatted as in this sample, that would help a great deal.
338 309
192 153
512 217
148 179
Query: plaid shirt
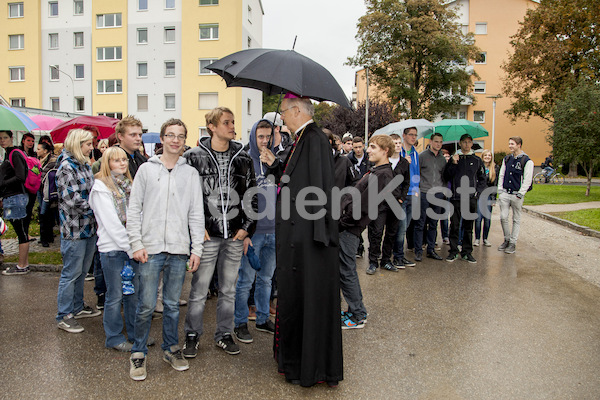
74 182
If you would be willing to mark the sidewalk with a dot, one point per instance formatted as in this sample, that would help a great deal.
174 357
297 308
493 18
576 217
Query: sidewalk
544 210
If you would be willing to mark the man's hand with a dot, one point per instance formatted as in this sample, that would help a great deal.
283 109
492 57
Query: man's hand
194 263
240 235
247 242
141 256
455 158
206 236
267 157
408 159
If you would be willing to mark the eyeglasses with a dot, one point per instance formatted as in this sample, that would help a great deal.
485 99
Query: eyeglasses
171 136
283 111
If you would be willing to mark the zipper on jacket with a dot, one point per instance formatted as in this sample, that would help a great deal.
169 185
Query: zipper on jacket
168 195
225 230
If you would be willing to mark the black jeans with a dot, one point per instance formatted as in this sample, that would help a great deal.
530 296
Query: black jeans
426 227
467 224
385 221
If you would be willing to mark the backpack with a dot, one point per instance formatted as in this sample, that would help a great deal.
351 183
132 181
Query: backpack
33 180
526 158
50 191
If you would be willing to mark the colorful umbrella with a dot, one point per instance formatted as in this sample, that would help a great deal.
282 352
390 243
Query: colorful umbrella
151 137
423 126
13 120
106 126
45 122
453 129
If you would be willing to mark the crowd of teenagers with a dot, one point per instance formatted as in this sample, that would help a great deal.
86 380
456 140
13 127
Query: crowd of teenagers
142 223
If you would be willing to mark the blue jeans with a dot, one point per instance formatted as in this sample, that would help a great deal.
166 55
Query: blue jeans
99 281
77 255
264 247
173 276
487 222
113 262
404 222
349 282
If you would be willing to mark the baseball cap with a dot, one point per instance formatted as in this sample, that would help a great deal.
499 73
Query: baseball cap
270 116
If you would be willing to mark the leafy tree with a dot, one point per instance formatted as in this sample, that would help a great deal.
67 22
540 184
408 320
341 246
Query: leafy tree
417 54
322 110
576 129
270 103
342 120
555 47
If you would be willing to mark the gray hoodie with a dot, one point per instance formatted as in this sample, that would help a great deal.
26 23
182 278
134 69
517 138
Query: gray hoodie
166 211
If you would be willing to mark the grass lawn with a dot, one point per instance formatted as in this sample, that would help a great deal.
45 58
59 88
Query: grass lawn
589 217
34 230
564 194
46 257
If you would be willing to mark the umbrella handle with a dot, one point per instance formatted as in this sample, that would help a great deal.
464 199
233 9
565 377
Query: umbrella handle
231 64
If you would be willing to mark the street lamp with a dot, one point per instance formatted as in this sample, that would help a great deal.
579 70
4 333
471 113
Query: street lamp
495 97
367 108
72 83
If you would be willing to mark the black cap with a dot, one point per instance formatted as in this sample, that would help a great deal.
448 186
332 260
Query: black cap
465 136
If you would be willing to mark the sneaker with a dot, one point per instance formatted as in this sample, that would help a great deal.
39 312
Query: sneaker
87 312
125 347
371 269
452 257
182 303
190 348
242 334
89 277
504 245
159 308
511 248
476 242
228 345
487 243
15 270
398 264
469 258
419 257
352 323
252 313
70 324
137 366
268 327
100 304
446 241
389 267
407 263
174 357
434 255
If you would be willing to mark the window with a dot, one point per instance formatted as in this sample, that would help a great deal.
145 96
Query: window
78 39
481 28
54 72
481 58
16 42
118 115
78 7
15 10
249 42
203 132
209 2
169 101
53 41
142 102
462 114
249 14
142 70
79 71
142 36
479 87
208 101
18 102
110 86
209 31
479 116
53 8
109 53
55 103
17 74
464 29
249 107
170 35
142 5
205 62
169 4
108 20
79 104
169 68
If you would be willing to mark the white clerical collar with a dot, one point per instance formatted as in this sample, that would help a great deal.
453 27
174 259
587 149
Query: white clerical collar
310 121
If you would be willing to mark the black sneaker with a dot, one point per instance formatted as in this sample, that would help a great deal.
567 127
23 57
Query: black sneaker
407 263
511 248
87 312
452 257
241 333
371 269
389 267
434 255
100 304
419 257
228 345
15 270
504 245
190 348
469 258
268 327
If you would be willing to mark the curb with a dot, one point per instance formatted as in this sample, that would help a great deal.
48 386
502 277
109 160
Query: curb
38 267
572 225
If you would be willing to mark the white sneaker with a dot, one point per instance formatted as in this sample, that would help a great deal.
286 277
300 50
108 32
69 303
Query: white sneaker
137 366
476 242
487 243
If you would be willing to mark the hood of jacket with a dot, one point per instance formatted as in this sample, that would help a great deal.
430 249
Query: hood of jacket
254 152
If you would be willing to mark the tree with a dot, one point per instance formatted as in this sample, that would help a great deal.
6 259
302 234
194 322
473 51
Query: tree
270 103
555 47
342 120
417 54
576 129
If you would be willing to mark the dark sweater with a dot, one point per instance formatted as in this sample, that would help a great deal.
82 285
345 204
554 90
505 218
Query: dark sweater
13 179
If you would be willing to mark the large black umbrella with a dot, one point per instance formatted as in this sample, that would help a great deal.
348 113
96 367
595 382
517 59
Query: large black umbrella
279 71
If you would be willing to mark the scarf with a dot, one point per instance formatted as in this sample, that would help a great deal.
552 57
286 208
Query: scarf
121 196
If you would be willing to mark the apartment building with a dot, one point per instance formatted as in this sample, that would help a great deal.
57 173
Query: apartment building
493 23
140 57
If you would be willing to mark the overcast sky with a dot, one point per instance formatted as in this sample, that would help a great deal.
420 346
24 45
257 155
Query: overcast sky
325 30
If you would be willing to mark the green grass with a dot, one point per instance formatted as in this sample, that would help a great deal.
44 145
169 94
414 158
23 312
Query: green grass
563 194
34 230
589 217
46 257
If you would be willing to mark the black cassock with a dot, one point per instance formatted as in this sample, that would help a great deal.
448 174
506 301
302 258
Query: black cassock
308 337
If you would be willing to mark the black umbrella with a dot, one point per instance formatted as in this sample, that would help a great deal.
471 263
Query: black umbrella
279 71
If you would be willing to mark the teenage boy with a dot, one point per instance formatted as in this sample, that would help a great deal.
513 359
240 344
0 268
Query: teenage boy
165 218
464 168
515 179
224 168
262 243
359 158
129 135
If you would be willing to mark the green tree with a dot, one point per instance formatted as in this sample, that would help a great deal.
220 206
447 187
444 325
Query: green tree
417 54
270 103
341 120
322 110
576 128
555 47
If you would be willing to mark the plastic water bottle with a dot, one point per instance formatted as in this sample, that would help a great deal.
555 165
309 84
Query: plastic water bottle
127 279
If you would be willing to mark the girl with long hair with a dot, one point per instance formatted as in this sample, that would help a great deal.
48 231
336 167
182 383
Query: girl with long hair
484 219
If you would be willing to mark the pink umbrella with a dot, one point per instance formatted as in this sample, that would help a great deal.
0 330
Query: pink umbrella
45 122
106 126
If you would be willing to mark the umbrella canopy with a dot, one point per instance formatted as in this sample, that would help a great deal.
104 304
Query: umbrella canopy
151 137
13 120
278 71
453 129
45 122
105 125
423 126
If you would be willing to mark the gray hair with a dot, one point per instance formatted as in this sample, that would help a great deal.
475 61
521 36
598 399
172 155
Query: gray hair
304 104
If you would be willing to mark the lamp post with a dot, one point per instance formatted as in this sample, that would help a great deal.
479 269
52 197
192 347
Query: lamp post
367 108
494 98
72 84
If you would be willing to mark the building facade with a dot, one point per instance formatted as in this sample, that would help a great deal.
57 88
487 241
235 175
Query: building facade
140 57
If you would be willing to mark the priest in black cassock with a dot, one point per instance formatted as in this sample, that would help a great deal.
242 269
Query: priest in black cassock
308 336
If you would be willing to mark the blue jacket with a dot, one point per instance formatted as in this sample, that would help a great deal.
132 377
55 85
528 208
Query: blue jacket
415 170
